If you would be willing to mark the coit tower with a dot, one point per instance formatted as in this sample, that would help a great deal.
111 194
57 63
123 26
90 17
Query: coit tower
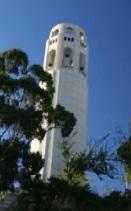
66 56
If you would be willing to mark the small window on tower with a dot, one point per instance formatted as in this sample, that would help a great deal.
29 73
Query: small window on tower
54 33
82 64
51 59
69 31
82 38
67 58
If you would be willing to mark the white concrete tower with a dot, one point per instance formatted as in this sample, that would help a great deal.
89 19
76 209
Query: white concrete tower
66 57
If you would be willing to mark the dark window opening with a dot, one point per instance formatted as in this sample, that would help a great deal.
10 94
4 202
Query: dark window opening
67 58
54 33
82 36
81 68
82 64
51 59
69 31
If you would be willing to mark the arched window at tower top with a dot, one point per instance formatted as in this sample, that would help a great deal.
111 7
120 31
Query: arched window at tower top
51 59
69 31
82 37
82 40
55 32
67 58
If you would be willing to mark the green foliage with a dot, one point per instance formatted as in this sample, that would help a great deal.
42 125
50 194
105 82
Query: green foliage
124 153
117 201
10 151
26 94
63 119
24 105
57 195
76 164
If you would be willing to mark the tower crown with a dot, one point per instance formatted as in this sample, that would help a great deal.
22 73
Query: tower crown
68 29
66 48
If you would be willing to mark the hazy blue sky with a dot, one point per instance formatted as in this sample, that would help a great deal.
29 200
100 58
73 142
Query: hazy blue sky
25 24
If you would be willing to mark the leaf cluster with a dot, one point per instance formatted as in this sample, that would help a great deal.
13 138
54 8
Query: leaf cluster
26 94
97 161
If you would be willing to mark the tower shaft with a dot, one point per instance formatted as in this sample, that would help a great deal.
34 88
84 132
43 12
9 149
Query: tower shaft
66 57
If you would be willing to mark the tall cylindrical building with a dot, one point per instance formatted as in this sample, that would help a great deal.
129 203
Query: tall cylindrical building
66 56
